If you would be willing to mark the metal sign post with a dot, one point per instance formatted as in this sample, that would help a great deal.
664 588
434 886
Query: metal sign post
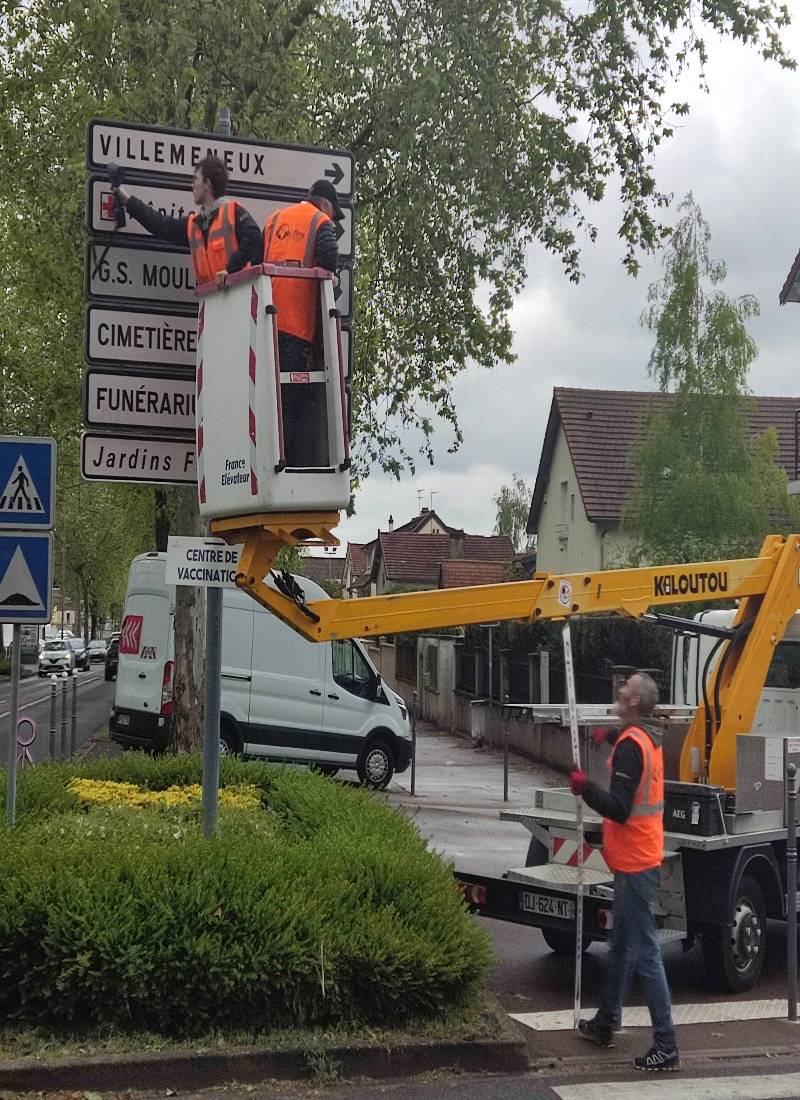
11 792
27 514
576 760
212 564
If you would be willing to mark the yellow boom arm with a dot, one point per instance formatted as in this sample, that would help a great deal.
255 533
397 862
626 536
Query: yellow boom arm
767 588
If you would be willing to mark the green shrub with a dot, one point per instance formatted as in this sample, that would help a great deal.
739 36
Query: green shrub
323 908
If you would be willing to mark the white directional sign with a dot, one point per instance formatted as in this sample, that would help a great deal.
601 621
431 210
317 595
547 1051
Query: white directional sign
162 276
123 399
175 201
207 562
145 274
117 334
164 152
142 458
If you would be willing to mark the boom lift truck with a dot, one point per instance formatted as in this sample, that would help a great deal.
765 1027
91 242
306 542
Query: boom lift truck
723 873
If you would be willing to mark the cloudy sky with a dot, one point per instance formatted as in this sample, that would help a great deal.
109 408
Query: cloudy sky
739 152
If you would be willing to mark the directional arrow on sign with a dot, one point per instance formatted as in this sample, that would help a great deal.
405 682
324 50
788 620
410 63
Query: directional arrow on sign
155 151
335 174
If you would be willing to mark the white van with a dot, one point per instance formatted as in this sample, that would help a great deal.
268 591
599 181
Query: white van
283 698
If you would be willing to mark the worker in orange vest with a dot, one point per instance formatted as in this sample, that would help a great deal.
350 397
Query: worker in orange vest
633 847
300 235
222 236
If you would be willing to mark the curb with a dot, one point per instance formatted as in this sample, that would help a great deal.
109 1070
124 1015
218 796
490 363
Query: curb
189 1069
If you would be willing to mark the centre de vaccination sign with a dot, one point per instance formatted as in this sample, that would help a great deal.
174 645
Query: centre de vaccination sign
201 561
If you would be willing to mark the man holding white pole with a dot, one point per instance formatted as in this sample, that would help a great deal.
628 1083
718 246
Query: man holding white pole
633 847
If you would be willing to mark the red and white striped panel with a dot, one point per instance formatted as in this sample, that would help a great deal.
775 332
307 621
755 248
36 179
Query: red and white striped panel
565 851
201 474
252 403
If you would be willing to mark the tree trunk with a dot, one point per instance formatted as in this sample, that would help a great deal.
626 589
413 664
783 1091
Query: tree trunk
190 633
162 518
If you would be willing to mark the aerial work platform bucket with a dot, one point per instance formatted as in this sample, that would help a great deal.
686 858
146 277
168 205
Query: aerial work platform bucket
268 440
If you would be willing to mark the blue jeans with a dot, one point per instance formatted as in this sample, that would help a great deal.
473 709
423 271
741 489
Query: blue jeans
635 950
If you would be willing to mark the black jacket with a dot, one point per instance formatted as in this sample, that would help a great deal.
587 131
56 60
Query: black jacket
626 770
176 230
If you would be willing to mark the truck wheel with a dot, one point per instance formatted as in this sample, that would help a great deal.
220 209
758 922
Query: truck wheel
734 953
563 941
376 765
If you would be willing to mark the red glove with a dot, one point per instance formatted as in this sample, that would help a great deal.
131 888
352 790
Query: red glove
578 780
599 736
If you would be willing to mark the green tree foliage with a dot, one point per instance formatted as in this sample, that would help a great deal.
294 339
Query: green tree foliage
477 129
513 504
705 488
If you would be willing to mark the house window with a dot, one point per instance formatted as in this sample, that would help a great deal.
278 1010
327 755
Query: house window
572 508
564 500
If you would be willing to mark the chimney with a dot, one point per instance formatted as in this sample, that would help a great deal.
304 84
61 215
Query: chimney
456 545
391 524
424 511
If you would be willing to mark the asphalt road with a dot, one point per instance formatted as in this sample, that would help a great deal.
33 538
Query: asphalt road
94 698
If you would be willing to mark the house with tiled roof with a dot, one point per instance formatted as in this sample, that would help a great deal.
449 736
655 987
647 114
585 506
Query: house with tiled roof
357 573
585 474
322 567
425 553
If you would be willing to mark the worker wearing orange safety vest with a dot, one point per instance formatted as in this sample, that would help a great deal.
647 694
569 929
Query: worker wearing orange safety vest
300 235
222 237
633 846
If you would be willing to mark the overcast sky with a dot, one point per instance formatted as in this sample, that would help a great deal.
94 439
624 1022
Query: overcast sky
739 152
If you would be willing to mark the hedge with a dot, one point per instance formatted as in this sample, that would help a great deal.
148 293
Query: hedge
322 908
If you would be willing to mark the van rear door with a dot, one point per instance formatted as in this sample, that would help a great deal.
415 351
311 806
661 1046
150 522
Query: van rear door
144 644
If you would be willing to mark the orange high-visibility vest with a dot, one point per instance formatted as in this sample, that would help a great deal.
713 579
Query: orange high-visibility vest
638 845
290 237
213 255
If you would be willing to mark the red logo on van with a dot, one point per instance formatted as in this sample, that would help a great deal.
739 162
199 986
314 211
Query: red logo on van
130 636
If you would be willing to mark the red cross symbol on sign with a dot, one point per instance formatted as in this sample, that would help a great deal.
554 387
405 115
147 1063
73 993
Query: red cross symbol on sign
107 206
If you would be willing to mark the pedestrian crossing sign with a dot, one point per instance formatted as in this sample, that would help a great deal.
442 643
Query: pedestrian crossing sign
27 481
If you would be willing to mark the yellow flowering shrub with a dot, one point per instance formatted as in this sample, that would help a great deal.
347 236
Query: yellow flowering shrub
105 792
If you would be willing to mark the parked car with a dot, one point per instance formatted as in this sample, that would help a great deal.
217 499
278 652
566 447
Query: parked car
112 657
97 649
81 651
57 655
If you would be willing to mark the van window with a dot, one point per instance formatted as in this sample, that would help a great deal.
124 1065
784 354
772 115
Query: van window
350 669
784 670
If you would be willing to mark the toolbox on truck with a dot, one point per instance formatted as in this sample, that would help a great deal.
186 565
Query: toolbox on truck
696 809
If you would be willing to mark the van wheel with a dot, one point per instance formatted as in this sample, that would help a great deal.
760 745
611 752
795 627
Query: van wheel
734 953
376 765
228 741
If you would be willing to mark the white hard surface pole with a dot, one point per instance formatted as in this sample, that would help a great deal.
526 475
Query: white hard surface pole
576 761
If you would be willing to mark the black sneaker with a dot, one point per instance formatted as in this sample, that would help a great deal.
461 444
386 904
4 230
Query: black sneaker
658 1060
597 1032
